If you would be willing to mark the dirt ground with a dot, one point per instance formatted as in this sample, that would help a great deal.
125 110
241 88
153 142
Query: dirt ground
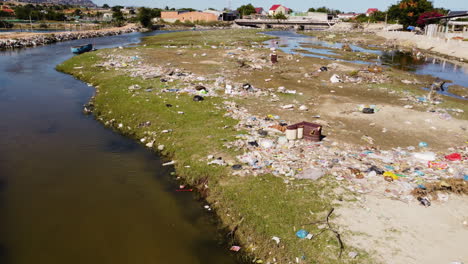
396 232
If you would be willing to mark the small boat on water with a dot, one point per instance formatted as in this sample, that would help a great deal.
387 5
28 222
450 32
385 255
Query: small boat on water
82 48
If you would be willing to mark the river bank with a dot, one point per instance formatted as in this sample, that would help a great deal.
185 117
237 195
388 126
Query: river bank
212 102
457 49
26 39
454 49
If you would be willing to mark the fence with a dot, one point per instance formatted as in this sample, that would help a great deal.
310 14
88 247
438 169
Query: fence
439 31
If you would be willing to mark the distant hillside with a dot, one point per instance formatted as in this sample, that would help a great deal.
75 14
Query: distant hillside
86 3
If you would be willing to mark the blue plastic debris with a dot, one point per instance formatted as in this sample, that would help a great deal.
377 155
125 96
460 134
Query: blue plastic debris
423 144
419 173
422 99
302 233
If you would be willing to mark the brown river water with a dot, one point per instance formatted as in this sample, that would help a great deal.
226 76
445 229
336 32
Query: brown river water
72 191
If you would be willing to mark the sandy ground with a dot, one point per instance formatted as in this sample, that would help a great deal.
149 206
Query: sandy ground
407 127
399 233
454 48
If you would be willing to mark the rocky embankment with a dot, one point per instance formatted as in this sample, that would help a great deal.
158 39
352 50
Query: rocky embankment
44 39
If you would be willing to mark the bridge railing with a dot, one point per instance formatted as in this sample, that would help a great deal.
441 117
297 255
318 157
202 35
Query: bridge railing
284 21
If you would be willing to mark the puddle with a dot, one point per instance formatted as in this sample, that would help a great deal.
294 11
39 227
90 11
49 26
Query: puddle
293 43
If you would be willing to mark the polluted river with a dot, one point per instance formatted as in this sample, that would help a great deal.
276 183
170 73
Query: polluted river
72 191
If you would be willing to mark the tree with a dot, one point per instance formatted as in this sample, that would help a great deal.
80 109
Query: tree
186 9
246 10
407 12
144 17
422 19
105 6
117 16
77 12
280 16
156 12
116 8
324 9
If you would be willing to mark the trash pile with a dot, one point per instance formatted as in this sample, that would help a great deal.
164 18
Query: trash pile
249 59
189 83
272 146
391 173
44 39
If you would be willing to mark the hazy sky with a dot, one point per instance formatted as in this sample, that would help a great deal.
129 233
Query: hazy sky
298 5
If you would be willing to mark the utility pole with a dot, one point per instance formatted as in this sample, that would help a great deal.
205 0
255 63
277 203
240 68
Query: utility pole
30 22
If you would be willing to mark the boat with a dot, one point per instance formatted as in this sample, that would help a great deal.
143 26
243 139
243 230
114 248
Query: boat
82 48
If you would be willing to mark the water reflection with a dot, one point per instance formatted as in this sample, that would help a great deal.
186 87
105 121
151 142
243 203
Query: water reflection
293 43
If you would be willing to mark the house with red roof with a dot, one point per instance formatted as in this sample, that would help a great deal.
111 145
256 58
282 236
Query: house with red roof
278 9
370 11
260 11
7 9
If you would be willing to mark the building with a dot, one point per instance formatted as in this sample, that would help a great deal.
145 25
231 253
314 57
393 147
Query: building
278 9
7 9
370 11
182 16
318 16
107 16
230 16
259 11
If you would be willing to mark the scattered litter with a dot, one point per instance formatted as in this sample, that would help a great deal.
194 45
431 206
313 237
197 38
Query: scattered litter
424 201
423 144
335 78
276 239
235 248
454 157
303 108
311 174
352 254
198 98
169 163
302 233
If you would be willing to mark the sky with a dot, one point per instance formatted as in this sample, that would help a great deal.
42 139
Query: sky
297 5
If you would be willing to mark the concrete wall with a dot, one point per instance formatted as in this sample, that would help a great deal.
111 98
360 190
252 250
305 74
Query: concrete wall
188 16
317 16
451 47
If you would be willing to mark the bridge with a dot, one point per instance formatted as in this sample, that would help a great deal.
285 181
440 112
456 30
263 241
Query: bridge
298 23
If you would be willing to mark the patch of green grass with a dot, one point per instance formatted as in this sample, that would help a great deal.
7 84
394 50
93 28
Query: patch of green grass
230 37
270 207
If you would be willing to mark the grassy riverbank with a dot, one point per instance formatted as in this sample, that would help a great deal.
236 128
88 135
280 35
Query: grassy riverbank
255 207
